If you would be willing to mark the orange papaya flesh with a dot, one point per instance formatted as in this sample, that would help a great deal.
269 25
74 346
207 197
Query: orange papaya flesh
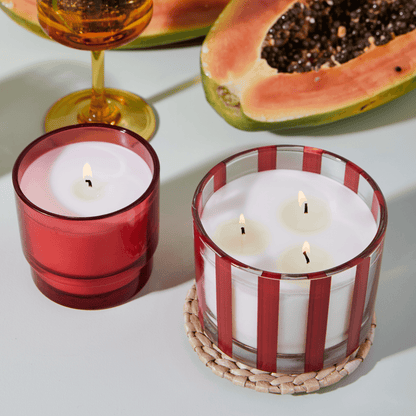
24 13
251 95
172 21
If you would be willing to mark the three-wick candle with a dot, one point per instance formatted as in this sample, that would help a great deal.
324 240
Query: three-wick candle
271 292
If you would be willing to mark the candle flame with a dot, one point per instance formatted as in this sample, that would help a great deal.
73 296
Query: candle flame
242 219
301 198
86 171
306 248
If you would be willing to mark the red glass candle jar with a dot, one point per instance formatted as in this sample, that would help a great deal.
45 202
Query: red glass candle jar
89 262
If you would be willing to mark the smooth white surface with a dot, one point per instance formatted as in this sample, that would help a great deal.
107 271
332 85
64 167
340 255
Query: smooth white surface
348 226
135 359
55 181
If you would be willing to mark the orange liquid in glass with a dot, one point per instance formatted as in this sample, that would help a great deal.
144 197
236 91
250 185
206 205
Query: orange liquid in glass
94 24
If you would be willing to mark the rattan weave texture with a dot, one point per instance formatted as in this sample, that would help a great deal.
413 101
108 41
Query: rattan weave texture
245 376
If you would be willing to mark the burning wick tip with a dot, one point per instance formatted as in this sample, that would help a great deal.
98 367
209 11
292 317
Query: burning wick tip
89 182
306 208
243 230
306 257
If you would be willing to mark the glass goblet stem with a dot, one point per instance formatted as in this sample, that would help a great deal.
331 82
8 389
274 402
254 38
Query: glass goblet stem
99 110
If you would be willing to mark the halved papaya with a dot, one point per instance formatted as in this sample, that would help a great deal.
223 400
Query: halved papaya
274 64
172 21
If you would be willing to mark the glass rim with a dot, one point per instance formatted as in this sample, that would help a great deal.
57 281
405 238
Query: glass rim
152 186
266 274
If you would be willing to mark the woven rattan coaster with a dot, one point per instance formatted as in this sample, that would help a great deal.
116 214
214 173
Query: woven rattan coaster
245 376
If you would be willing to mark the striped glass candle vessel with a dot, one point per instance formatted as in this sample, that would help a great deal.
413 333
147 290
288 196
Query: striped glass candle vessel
267 299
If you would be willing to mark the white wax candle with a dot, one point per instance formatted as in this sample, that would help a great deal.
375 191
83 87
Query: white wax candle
55 182
293 261
293 216
230 238
260 196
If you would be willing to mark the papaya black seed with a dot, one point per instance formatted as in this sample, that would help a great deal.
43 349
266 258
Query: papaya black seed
398 69
307 37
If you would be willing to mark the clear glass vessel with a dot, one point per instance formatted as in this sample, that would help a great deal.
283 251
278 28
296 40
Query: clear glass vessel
252 314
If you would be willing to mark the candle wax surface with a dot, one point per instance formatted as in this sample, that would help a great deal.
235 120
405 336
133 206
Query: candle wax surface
55 183
228 237
262 196
293 260
294 218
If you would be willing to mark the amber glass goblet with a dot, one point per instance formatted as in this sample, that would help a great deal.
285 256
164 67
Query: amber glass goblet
97 25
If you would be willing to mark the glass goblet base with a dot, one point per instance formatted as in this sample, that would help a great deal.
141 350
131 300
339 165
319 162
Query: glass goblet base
126 110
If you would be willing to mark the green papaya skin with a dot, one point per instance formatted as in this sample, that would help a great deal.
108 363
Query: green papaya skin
234 114
252 96
24 21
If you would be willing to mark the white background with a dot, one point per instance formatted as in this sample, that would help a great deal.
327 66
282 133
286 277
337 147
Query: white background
136 359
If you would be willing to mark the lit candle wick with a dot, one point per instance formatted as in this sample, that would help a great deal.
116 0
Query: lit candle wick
306 248
87 171
243 222
302 199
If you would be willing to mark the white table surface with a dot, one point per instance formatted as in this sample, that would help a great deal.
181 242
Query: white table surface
135 359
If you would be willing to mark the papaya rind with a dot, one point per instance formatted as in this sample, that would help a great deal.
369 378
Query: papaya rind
235 115
26 23
165 36
237 67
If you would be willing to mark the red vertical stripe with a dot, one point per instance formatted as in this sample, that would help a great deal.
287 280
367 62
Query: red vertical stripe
267 158
220 176
199 275
375 206
224 304
352 177
312 159
357 307
267 322
317 323
198 204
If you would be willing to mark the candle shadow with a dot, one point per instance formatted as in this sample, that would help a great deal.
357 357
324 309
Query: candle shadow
174 257
25 98
396 111
395 305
